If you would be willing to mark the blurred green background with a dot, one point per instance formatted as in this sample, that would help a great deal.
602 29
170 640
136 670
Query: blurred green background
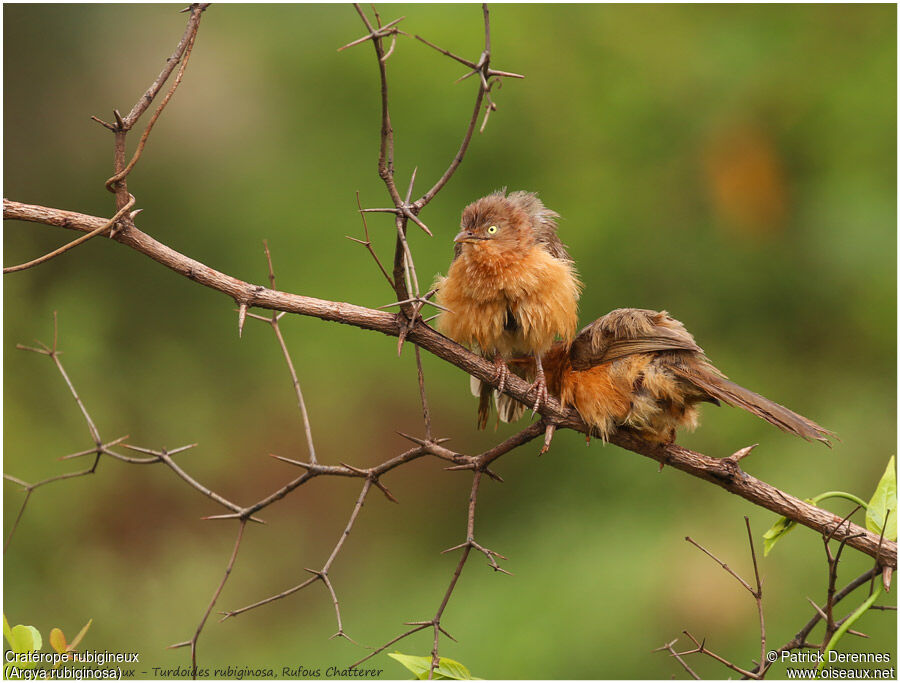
734 165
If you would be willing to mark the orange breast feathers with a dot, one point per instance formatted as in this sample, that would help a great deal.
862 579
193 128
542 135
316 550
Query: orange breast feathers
509 303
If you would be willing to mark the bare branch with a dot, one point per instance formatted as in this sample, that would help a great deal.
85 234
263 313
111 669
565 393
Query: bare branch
121 175
482 67
758 594
668 647
190 32
703 650
321 574
193 641
368 243
301 404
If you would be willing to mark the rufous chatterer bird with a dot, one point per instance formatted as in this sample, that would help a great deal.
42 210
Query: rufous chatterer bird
512 289
643 370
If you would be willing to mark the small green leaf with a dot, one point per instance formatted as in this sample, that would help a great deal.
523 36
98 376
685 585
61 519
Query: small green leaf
884 501
77 639
781 526
420 666
453 669
21 639
57 640
25 639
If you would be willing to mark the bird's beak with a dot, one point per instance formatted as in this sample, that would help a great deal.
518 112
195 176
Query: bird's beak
467 237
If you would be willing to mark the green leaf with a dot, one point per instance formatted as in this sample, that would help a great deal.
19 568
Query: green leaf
884 501
25 639
453 669
447 668
418 665
57 640
781 526
21 639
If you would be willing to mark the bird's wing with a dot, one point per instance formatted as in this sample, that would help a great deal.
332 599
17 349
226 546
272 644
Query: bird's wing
627 331
543 222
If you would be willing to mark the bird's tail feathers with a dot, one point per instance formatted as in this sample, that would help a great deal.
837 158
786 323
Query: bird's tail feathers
508 408
774 413
483 392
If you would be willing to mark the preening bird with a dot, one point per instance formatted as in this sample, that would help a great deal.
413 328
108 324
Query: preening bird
511 290
643 370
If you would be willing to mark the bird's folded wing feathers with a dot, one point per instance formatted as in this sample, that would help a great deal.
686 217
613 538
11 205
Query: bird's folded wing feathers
628 331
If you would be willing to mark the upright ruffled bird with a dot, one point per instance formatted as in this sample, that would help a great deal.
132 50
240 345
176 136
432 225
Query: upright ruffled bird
511 290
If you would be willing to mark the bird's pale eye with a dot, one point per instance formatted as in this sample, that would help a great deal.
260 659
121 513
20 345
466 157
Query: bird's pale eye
492 230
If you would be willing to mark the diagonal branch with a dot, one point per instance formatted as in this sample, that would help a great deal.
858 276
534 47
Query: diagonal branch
723 472
482 68
146 99
123 125
757 596
318 575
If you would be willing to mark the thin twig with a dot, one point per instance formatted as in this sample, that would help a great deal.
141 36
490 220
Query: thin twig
320 574
721 564
296 383
193 641
799 640
702 649
368 243
189 32
110 184
758 594
671 650
426 414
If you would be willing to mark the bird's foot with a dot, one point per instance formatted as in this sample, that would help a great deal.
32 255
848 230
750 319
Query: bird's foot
540 390
501 373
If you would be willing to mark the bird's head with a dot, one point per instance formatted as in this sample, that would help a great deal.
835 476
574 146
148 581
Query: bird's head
495 223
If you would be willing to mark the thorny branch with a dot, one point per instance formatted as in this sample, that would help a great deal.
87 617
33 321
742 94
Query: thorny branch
193 641
406 325
273 321
100 448
117 183
700 646
467 546
723 472
799 641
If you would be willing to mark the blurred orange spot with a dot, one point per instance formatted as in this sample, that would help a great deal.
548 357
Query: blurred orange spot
746 180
